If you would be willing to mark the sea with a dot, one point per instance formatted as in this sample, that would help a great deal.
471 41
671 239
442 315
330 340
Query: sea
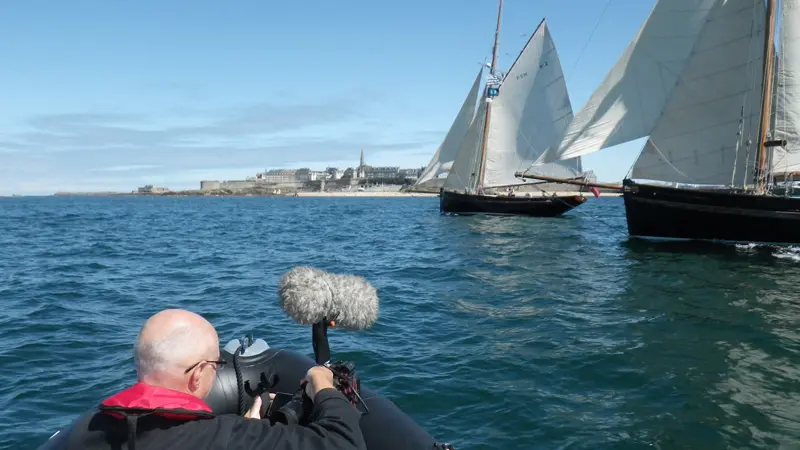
493 332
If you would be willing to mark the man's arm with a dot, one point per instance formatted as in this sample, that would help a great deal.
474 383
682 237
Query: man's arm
334 426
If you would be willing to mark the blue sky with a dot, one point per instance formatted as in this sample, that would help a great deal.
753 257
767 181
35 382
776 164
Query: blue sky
100 95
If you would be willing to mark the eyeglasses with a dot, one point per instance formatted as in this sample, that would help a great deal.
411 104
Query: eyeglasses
217 362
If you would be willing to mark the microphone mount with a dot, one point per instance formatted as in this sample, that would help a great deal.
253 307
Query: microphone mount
319 339
345 379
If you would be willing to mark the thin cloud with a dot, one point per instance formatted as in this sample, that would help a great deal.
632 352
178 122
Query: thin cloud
205 157
182 167
127 168
64 132
79 151
75 121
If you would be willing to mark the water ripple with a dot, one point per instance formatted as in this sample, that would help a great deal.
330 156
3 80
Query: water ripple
494 332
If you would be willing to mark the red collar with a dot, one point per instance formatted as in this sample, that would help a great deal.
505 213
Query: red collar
143 398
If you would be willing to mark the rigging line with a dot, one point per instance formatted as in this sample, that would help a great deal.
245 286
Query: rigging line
740 139
589 39
681 80
749 142
629 173
667 161
609 225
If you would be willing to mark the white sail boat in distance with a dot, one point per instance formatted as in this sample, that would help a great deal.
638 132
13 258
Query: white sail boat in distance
699 80
518 116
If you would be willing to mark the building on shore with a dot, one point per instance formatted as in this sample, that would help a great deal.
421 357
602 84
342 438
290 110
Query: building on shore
306 179
365 174
150 189
333 173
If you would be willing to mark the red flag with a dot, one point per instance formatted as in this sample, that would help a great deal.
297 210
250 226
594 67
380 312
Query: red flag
595 191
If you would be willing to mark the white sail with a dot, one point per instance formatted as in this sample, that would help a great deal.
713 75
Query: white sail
530 114
787 120
448 150
697 139
630 100
463 175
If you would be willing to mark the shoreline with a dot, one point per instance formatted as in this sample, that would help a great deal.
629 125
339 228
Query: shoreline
336 194
427 194
364 194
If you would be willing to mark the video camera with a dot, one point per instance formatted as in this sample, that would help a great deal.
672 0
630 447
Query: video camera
313 297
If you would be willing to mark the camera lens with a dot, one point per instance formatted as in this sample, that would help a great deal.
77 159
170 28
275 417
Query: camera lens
295 411
290 413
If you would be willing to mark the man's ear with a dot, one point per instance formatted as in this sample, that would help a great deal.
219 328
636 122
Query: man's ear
195 377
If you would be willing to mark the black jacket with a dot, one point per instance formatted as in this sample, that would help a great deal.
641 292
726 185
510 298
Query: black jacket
334 426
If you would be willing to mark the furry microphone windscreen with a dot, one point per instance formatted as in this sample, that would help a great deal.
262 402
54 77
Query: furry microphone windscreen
309 295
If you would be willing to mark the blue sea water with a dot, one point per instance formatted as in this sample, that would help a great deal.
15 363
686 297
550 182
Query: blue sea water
494 332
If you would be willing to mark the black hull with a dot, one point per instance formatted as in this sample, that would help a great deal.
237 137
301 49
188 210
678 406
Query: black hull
467 204
720 215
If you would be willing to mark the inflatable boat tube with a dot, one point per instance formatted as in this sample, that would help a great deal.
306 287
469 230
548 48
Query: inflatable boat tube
384 427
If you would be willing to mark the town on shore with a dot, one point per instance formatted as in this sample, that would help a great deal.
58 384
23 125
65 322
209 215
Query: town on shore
361 181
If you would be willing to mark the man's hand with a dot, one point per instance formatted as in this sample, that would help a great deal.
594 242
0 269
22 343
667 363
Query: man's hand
255 410
318 378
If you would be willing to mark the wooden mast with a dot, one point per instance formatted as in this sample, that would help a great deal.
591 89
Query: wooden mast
766 96
486 94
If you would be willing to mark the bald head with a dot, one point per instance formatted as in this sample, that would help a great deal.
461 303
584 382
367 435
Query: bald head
170 342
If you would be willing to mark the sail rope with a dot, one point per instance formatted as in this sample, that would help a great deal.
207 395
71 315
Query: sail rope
740 137
680 80
667 161
589 39
780 96
690 89
574 66
661 65
780 99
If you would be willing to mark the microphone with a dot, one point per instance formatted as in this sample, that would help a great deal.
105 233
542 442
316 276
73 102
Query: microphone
312 296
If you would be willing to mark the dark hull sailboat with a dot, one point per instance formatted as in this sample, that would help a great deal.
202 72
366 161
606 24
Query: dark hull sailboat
724 215
485 145
468 204
701 122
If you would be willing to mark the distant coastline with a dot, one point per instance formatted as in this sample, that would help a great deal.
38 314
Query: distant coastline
330 194
385 191
247 194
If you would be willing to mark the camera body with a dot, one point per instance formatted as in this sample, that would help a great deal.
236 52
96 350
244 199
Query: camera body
296 408
289 409
263 370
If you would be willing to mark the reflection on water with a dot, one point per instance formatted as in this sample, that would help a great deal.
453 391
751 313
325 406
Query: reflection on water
494 332
634 342
717 344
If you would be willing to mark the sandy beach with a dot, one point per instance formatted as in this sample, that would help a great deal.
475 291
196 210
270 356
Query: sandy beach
365 194
413 194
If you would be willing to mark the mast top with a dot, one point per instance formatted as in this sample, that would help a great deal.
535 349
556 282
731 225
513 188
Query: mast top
492 90
496 39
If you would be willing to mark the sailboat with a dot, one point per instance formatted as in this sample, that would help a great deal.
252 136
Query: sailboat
519 115
699 80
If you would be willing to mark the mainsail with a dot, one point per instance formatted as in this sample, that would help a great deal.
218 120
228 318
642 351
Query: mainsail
708 129
448 150
691 81
530 112
787 121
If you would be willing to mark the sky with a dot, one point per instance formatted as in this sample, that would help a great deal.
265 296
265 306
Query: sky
110 96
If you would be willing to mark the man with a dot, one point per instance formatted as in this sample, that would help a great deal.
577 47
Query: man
176 356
